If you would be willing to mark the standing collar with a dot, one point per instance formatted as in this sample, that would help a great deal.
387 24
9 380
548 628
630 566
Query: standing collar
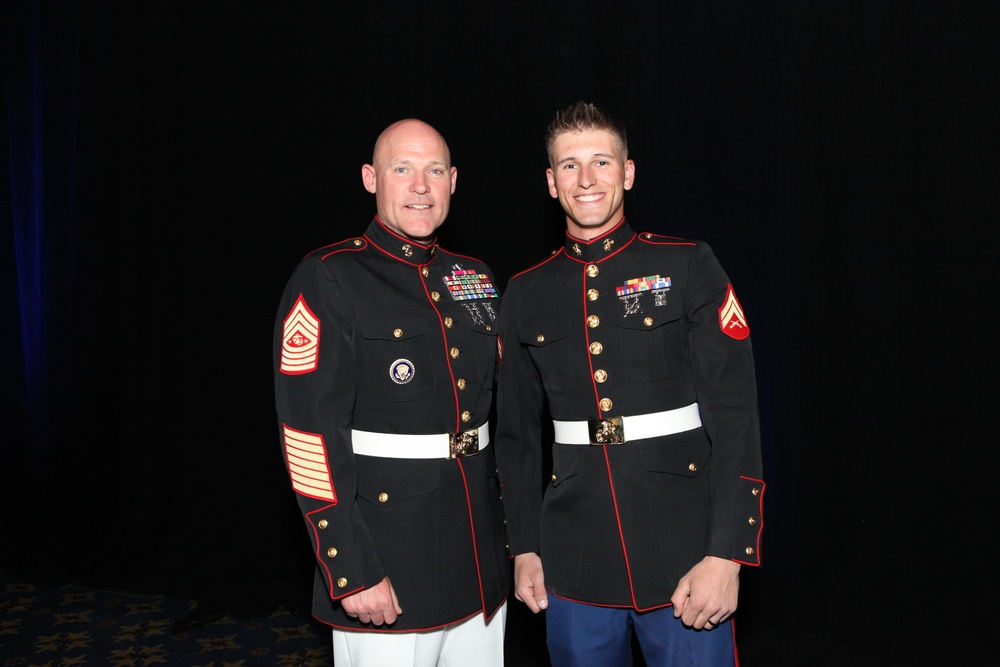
399 247
602 247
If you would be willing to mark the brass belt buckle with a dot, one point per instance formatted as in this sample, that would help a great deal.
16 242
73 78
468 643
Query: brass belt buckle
463 444
609 431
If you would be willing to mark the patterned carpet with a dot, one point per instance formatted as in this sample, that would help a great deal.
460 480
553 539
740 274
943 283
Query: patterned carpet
72 625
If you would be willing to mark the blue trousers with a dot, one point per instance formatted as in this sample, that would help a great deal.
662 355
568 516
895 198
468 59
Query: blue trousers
583 635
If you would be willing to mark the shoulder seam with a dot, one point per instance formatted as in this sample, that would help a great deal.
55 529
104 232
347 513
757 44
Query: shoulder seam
538 264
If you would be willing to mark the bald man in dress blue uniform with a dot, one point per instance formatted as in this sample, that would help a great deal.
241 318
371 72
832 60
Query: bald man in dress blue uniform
384 358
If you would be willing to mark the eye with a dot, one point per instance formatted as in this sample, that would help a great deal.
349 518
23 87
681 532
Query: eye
400 170
437 172
569 166
602 163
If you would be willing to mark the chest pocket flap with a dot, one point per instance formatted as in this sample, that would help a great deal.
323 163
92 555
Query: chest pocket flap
392 329
648 316
543 330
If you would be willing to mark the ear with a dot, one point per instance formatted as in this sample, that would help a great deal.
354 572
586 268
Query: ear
551 178
368 178
454 178
629 174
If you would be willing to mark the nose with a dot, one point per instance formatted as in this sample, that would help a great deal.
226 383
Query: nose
419 185
586 177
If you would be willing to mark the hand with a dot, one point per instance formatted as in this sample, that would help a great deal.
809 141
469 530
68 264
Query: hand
706 596
376 605
529 582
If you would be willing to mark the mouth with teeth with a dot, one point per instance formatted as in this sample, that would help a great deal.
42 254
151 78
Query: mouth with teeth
589 198
419 207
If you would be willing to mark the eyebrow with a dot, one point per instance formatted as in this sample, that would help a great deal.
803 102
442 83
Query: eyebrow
411 161
573 158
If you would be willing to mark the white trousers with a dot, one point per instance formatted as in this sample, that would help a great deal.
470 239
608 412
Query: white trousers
471 642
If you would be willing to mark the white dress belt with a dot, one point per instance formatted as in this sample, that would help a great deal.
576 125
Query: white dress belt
408 446
638 427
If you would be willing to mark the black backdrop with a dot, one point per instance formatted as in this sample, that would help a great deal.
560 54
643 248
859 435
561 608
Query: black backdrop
168 163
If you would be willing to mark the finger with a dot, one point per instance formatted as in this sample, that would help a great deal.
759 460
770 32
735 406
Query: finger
538 585
680 599
395 603
526 594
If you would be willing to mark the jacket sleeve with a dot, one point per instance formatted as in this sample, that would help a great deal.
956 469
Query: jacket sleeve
722 361
314 371
520 401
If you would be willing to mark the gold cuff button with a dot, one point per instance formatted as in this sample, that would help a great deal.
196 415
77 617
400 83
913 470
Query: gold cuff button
322 524
397 333
753 521
693 467
383 497
332 552
750 551
540 338
342 582
756 491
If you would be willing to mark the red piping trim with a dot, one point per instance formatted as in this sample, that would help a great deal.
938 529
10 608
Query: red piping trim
586 338
472 530
390 631
444 340
541 263
334 252
425 246
621 534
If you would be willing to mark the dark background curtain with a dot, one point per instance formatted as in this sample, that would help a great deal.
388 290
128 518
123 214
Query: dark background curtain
166 164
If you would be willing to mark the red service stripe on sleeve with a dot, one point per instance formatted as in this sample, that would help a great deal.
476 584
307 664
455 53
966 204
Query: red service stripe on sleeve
300 340
308 466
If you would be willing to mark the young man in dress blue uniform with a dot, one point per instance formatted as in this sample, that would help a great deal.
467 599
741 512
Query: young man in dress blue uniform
641 351
384 358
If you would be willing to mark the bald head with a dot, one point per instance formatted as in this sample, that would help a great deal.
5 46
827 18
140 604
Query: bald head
412 179
408 130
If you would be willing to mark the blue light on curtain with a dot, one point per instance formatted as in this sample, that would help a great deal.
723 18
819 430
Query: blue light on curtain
41 74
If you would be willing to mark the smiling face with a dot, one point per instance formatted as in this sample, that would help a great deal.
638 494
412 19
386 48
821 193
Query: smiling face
589 177
412 179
